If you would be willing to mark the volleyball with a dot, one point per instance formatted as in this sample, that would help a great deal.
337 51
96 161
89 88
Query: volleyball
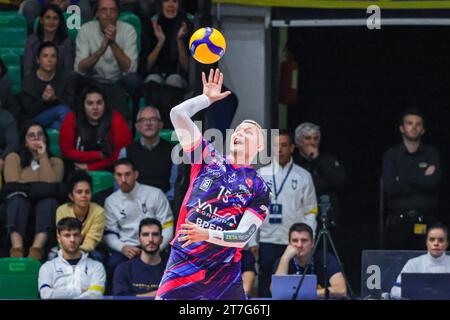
207 45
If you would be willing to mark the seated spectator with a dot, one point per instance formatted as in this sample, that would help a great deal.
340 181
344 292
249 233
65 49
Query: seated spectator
151 154
31 9
9 137
297 255
165 54
5 84
90 214
51 28
128 206
434 261
141 275
47 93
72 274
106 52
93 135
33 162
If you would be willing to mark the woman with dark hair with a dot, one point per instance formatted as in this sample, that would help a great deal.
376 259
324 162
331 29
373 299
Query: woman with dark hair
47 93
33 163
91 215
5 84
93 135
51 27
165 46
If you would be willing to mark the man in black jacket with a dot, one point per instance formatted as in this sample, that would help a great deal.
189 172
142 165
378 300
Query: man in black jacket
328 175
411 178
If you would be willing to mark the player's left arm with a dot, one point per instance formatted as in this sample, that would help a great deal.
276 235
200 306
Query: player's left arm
238 238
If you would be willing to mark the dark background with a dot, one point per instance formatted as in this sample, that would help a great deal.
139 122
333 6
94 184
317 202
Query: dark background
355 83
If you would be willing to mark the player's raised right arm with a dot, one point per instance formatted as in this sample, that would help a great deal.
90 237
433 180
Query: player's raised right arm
188 133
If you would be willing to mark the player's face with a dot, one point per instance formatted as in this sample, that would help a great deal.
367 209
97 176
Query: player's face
246 141
107 13
285 149
412 127
47 59
150 239
81 194
302 242
309 140
50 21
170 8
437 242
125 177
70 240
149 124
94 106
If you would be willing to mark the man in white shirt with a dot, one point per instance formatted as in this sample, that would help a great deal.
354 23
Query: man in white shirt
72 274
126 207
106 49
435 261
293 200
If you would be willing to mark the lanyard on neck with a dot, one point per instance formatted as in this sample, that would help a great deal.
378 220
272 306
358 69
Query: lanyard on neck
282 183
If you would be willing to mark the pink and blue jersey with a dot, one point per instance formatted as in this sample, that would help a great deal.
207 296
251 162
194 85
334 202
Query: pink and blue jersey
219 194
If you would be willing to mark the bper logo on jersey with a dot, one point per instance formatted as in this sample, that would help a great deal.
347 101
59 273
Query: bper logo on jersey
206 184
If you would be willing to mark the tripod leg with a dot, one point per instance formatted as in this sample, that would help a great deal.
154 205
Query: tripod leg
350 293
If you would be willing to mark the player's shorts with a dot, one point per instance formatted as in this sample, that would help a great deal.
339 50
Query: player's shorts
185 280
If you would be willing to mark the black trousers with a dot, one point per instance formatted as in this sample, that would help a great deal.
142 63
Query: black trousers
403 232
19 209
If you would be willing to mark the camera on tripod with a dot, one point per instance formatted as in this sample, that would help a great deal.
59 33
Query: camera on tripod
326 212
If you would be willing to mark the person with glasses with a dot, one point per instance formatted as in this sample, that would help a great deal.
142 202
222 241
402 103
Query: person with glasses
150 153
32 163
92 136
327 172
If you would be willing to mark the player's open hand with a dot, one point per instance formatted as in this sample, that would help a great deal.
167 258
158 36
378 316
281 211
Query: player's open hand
213 87
193 233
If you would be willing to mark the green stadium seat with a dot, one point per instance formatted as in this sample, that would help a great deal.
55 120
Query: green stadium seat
19 278
53 146
72 32
12 62
133 19
13 31
101 180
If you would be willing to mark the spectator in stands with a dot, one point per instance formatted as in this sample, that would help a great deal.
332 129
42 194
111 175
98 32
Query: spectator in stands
328 175
51 28
106 50
141 275
9 137
411 178
31 9
126 207
434 261
47 93
293 200
151 154
93 135
90 214
33 163
5 84
297 255
72 274
165 55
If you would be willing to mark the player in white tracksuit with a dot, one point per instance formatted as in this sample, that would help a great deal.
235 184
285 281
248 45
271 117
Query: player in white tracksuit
293 200
72 274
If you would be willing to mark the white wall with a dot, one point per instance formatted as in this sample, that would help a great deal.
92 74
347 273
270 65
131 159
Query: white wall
245 64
